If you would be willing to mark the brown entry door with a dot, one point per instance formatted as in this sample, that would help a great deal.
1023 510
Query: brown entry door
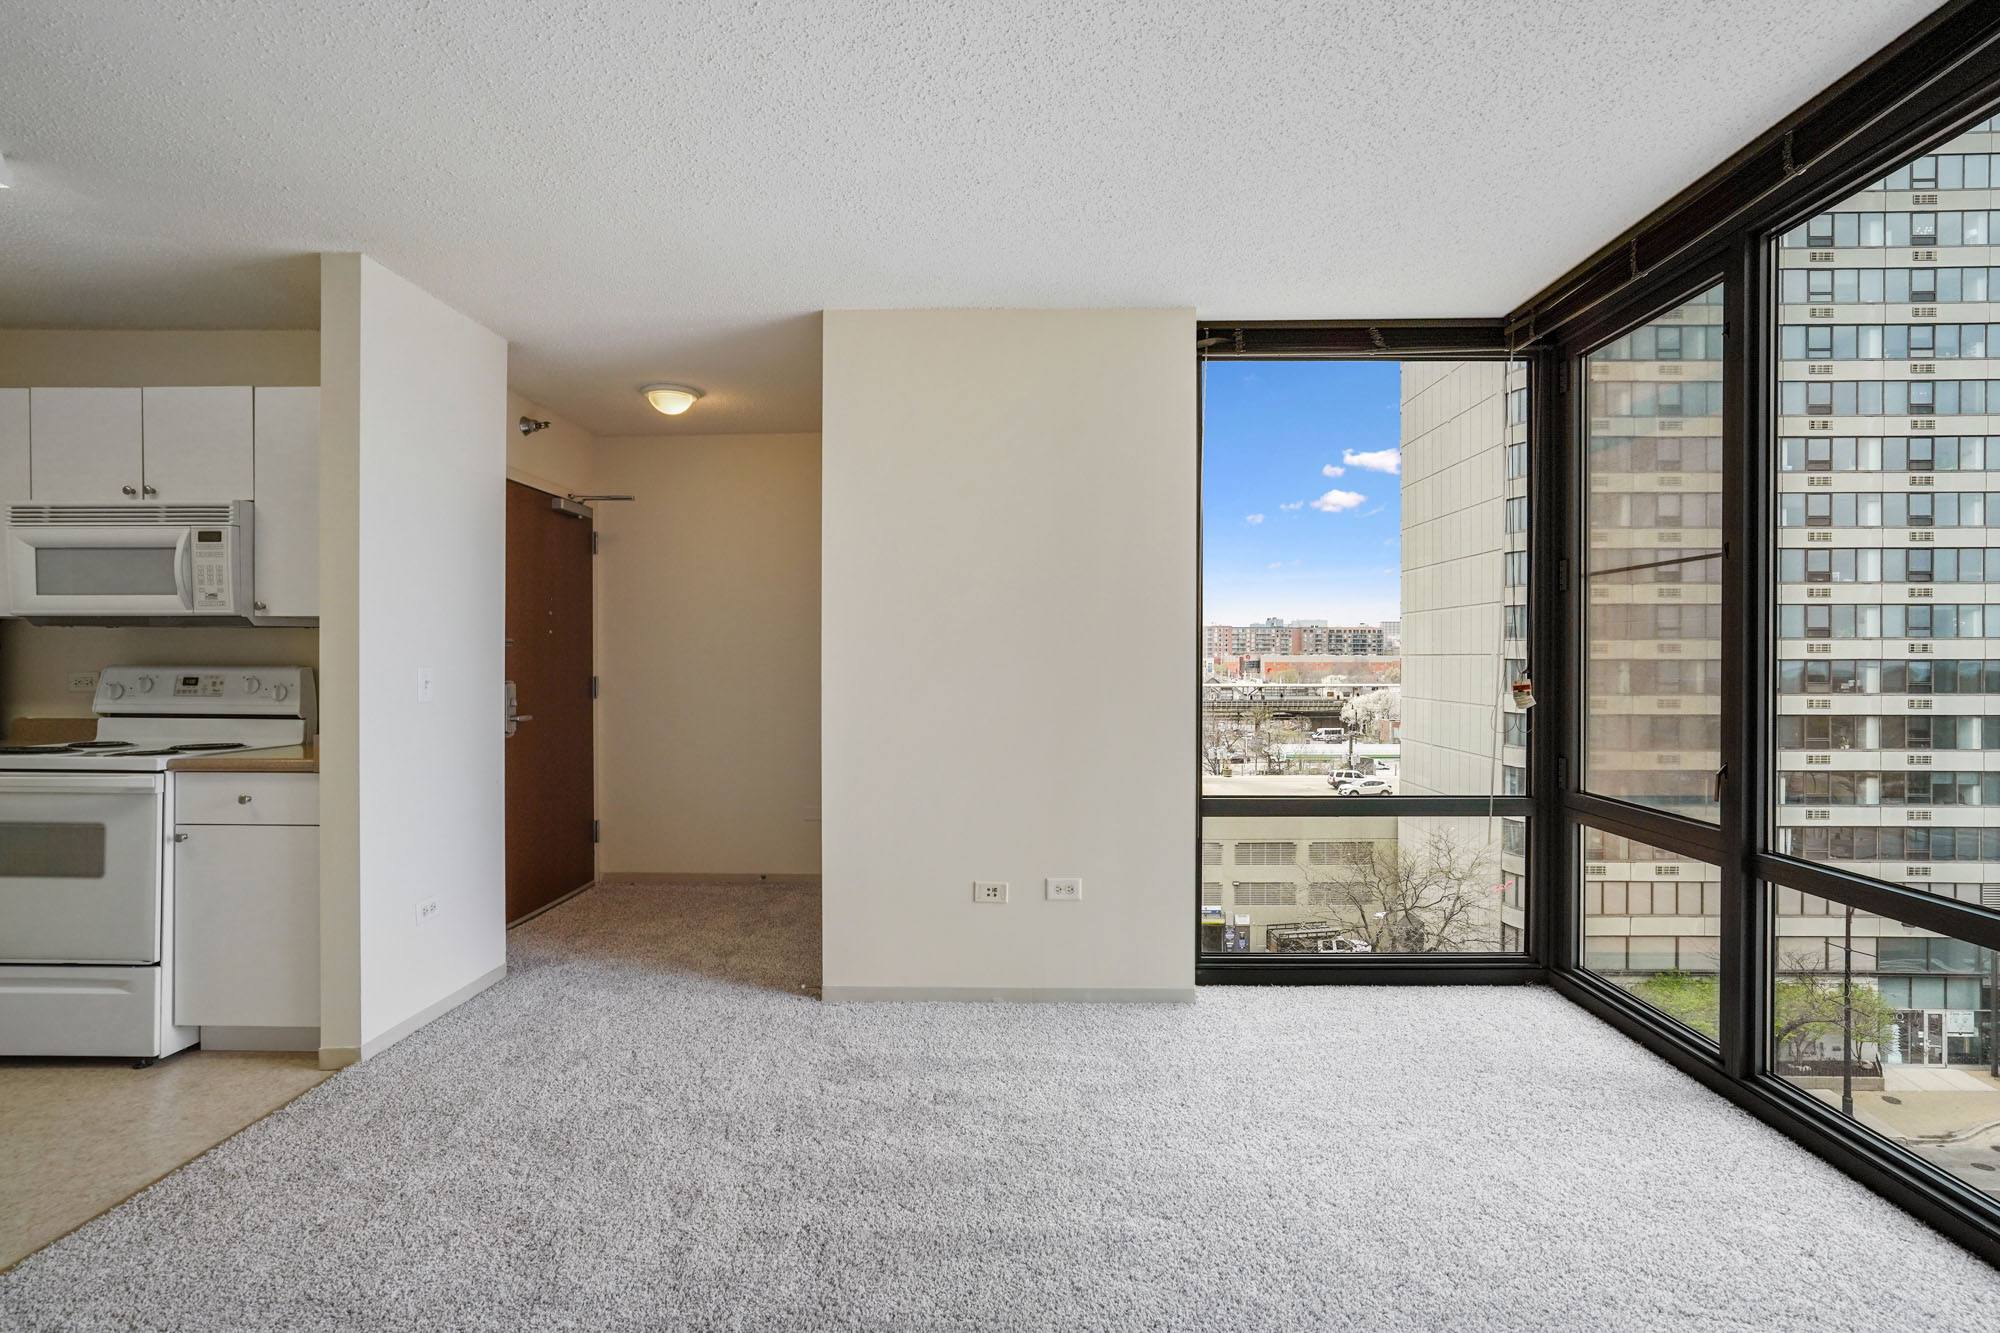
550 800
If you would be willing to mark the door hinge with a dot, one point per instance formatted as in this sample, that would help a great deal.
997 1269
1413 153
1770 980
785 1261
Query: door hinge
593 687
593 830
1562 575
593 543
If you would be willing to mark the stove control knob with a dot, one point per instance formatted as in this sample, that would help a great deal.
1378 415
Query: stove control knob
113 690
279 692
253 683
145 684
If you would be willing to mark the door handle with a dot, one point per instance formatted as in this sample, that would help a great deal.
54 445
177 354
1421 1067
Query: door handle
524 717
128 490
149 490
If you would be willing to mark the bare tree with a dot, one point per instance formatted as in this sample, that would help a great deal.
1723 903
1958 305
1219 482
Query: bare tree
1217 739
1431 893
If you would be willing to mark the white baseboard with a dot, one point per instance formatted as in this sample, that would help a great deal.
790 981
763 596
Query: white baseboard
339 1057
1008 994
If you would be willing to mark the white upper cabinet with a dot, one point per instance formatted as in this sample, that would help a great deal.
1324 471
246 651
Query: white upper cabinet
85 444
197 445
13 449
286 576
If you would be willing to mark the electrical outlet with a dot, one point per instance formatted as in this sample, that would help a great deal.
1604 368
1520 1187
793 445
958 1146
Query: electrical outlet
427 911
1064 889
424 686
989 890
82 682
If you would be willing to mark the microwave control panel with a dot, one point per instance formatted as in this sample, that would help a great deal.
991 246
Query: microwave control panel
211 568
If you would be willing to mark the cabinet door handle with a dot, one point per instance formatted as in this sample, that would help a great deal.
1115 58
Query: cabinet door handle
180 837
243 800
149 490
128 490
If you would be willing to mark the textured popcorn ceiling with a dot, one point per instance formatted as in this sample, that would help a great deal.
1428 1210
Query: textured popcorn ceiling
631 191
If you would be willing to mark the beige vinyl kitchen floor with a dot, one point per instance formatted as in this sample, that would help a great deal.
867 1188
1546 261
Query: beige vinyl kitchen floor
80 1136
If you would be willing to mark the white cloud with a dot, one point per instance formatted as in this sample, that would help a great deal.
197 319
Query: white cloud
1275 564
1296 504
1334 469
1376 510
1253 519
1379 460
1335 501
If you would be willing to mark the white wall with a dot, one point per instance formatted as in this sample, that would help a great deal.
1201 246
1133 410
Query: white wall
138 358
709 627
561 459
412 559
1005 491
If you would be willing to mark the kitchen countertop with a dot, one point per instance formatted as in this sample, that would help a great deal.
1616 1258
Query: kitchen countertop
278 759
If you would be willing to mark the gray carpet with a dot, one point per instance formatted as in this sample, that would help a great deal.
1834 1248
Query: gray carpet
651 1125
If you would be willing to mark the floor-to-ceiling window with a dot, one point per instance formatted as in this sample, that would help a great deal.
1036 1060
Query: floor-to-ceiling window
1777 739
1756 821
1884 701
1363 750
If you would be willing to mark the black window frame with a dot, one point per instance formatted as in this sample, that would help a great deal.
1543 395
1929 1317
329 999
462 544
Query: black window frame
1941 79
1396 340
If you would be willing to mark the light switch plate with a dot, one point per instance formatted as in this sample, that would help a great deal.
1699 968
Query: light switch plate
425 688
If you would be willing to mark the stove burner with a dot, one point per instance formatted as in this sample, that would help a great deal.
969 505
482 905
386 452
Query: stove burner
186 747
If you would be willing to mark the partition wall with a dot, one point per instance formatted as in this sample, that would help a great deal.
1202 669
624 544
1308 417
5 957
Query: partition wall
1726 500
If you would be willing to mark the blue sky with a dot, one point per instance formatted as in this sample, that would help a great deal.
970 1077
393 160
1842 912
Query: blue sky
1301 499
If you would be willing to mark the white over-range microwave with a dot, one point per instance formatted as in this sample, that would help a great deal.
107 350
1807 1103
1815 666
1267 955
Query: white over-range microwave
138 561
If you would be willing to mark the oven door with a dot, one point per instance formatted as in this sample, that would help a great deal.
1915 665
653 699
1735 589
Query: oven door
81 570
80 863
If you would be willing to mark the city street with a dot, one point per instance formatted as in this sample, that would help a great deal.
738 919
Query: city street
1281 784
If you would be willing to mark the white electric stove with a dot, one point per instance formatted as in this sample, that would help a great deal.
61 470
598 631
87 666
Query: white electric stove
86 870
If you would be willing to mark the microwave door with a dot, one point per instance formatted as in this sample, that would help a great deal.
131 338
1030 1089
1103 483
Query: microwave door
86 571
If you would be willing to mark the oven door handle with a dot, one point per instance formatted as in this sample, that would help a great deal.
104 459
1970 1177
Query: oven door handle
60 784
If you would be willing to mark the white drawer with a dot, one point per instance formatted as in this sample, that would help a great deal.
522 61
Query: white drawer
246 798
82 1011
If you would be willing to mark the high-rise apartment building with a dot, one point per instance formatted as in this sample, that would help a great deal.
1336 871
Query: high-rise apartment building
1296 638
1886 704
1464 625
1888 477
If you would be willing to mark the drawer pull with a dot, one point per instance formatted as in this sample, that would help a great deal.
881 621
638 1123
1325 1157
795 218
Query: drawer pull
243 800
180 837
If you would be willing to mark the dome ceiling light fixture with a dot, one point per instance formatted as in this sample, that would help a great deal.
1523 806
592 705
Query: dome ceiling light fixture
670 399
